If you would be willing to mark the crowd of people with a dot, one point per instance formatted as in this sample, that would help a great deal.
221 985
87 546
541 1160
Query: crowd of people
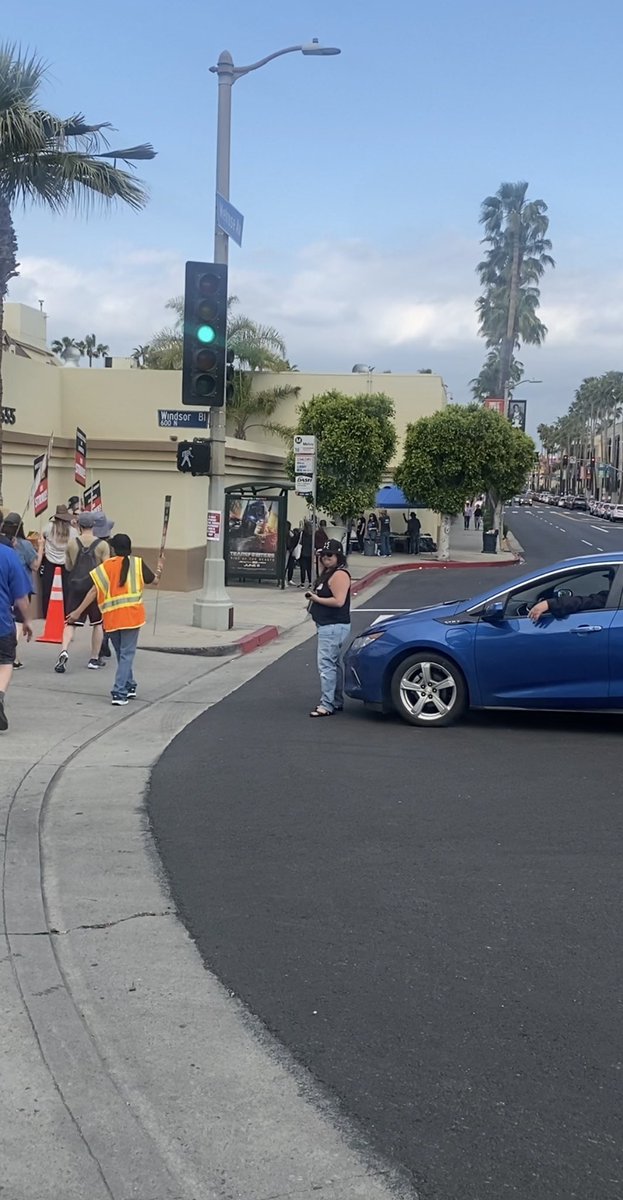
102 581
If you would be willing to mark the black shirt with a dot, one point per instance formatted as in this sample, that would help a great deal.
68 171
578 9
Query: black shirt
565 606
385 525
322 614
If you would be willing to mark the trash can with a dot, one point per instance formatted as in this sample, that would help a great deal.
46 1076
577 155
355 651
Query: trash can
369 548
490 542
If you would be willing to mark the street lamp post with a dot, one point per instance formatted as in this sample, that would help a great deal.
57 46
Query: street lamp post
213 608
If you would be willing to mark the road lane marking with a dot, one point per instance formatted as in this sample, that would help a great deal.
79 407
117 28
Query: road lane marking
601 528
584 543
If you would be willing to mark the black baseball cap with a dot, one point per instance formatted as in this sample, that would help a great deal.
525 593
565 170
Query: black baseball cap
332 547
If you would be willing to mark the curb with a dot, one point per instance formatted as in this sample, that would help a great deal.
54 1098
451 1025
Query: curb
260 637
245 645
360 584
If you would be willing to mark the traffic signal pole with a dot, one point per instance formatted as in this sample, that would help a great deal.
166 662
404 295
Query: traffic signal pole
213 609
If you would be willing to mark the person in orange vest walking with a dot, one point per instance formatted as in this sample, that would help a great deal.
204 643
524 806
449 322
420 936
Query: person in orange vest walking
118 588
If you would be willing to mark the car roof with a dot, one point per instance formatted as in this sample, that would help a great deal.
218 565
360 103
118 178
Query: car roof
582 560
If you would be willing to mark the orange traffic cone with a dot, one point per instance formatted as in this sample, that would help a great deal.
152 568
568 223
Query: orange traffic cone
55 619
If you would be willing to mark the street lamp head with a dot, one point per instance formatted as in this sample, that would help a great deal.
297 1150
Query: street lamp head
314 47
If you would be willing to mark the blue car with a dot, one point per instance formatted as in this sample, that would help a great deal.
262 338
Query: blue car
432 664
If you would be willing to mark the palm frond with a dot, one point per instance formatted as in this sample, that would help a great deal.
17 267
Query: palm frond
64 179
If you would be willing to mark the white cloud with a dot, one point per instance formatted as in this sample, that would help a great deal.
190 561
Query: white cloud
337 303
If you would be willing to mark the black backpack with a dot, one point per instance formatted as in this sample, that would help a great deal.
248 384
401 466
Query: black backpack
80 576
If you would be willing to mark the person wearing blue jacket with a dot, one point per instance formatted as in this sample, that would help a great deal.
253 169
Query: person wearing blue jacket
14 598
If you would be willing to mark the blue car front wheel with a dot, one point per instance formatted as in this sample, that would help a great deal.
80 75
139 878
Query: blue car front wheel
427 689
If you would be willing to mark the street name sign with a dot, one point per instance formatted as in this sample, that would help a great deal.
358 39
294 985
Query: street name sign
229 219
183 418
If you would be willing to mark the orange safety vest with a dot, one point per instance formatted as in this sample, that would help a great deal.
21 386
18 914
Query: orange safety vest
121 605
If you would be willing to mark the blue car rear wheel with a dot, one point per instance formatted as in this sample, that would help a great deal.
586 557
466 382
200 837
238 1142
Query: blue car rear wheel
428 690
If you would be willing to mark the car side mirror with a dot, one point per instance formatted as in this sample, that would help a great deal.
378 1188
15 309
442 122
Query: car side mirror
494 612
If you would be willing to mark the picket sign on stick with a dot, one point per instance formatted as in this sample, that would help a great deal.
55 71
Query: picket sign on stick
40 474
163 542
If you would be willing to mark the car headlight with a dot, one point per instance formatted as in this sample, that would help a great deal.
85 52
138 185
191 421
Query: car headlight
360 643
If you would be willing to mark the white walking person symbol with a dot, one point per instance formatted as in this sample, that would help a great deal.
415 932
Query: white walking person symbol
187 456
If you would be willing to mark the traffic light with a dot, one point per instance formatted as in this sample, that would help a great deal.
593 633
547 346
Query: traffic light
229 377
205 335
194 457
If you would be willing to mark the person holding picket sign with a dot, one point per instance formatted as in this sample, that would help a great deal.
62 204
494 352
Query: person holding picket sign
82 556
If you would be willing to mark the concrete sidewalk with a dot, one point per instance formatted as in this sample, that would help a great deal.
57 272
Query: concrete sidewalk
263 612
126 1070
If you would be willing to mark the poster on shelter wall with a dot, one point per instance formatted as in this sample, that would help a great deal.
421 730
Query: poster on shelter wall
253 536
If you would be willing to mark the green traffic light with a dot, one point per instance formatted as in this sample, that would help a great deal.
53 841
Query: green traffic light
206 334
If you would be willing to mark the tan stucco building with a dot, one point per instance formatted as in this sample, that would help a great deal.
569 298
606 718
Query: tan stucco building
134 457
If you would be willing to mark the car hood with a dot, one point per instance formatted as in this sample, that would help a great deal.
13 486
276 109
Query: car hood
447 609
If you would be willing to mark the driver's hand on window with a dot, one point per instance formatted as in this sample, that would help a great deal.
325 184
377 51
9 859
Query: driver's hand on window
539 610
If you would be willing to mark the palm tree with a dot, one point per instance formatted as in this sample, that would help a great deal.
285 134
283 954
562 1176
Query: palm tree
59 162
517 257
247 403
92 348
165 350
139 355
62 345
487 381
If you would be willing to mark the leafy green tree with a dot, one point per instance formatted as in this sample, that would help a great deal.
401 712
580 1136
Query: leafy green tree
517 255
457 454
58 162
356 440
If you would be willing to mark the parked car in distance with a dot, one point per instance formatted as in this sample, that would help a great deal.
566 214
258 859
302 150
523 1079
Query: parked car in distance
580 503
432 664
617 512
606 512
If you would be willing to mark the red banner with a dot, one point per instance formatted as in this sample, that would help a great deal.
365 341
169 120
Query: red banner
40 493
80 458
498 406
92 499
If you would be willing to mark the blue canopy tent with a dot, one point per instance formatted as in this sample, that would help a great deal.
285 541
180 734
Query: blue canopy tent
391 496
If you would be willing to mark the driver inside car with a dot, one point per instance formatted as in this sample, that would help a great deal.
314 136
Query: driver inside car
565 606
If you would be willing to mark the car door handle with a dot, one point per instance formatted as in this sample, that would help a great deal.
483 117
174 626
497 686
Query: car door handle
582 629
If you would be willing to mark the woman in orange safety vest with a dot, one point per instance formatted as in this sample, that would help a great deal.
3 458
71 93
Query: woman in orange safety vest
118 585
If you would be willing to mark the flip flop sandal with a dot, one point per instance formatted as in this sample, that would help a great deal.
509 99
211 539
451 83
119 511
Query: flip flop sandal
321 712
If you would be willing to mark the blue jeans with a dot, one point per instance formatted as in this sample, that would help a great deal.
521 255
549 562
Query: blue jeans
386 546
331 638
124 643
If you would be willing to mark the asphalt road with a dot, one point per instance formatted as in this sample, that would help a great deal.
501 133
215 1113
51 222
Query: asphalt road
428 920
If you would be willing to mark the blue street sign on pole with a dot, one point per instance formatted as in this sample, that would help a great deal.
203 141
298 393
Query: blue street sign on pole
229 219
175 418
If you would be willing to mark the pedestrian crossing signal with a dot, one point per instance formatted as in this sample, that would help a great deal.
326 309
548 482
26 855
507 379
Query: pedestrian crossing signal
194 458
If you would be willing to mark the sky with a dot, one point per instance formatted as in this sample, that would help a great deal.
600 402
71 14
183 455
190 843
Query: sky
360 176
